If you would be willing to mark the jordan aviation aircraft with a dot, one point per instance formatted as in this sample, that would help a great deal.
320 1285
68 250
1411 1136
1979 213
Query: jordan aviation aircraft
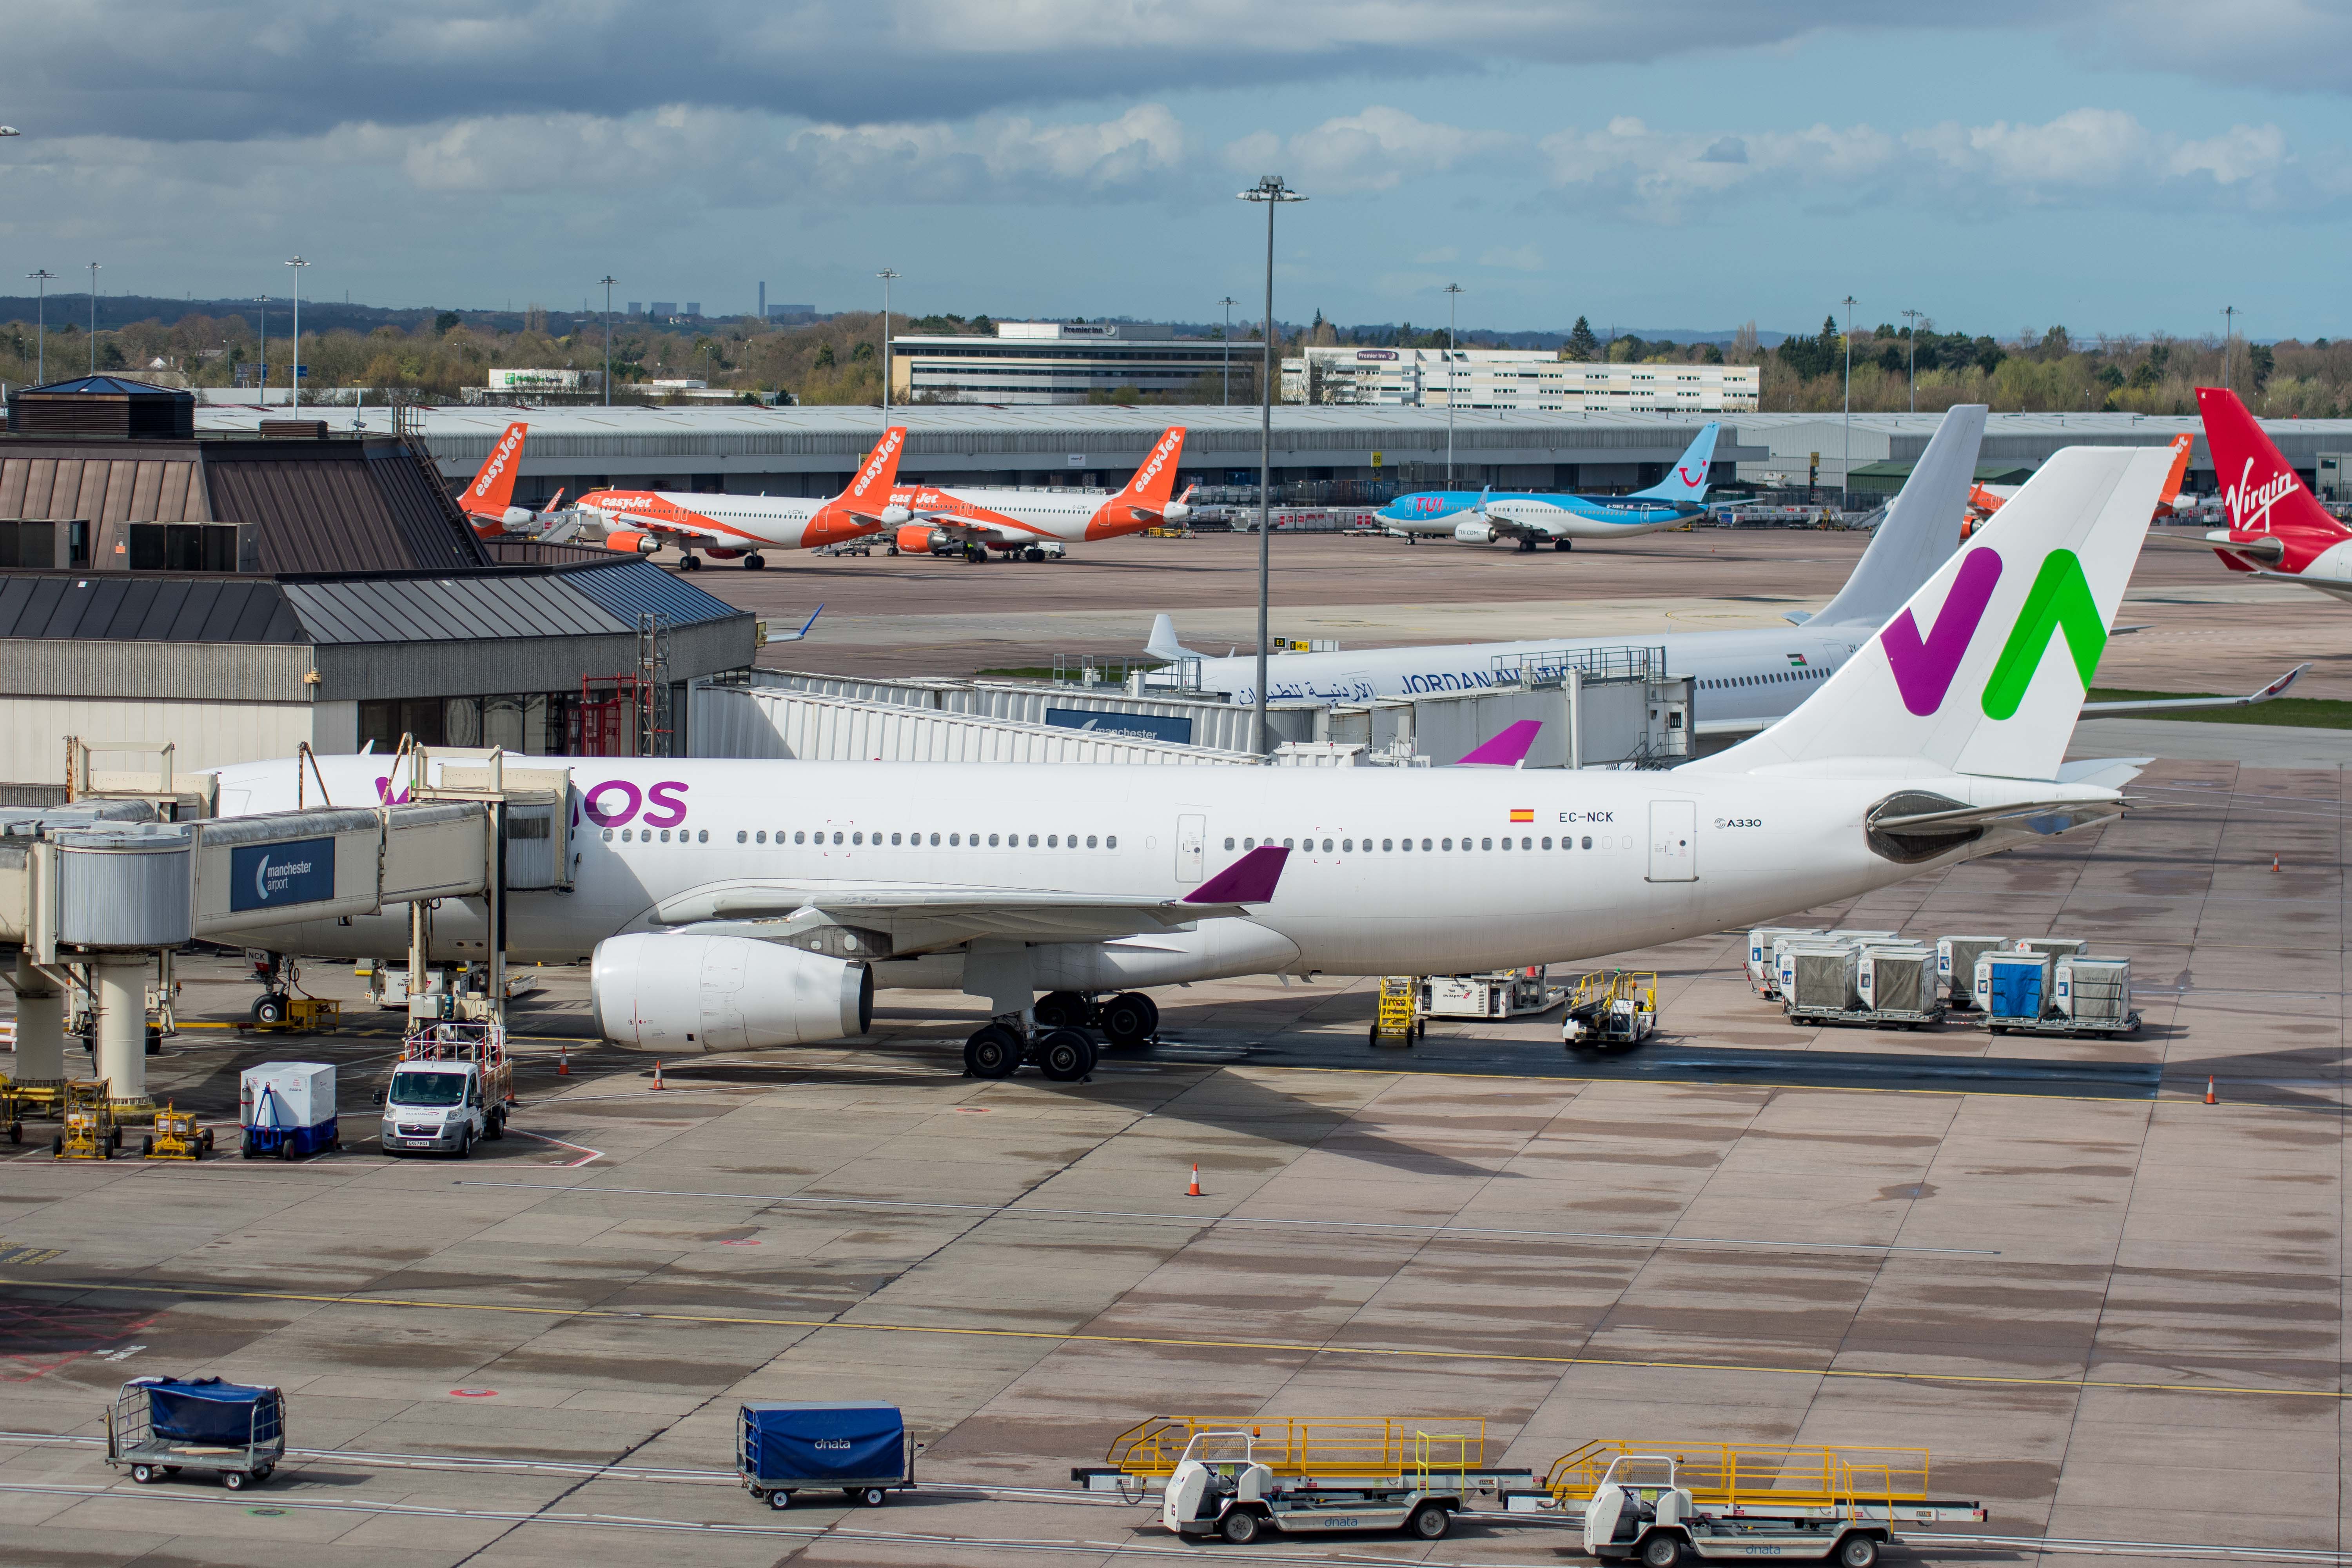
731 527
732 905
1035 524
2278 527
1532 520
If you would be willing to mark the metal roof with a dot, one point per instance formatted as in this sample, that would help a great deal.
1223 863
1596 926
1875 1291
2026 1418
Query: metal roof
112 385
470 606
339 506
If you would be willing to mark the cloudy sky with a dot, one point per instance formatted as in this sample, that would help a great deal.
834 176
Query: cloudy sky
2117 165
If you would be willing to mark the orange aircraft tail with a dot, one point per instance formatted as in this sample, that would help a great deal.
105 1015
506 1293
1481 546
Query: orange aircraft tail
492 492
2179 472
1155 478
865 506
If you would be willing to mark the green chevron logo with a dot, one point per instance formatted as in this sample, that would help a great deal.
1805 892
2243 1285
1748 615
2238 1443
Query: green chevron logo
2059 601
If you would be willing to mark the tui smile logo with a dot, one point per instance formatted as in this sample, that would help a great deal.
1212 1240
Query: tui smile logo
2059 601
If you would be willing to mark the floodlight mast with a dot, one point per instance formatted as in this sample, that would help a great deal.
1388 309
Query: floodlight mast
1271 191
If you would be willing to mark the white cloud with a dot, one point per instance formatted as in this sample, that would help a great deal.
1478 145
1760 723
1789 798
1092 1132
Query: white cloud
2085 154
1375 149
1524 257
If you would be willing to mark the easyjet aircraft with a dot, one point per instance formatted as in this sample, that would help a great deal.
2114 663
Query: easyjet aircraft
1986 499
1034 524
730 528
488 501
2278 527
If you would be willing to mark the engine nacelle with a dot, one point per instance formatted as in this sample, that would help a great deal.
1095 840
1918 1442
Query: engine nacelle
895 514
517 519
920 539
629 543
677 992
1175 511
1474 532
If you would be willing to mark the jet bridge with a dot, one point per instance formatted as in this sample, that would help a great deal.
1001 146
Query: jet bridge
97 894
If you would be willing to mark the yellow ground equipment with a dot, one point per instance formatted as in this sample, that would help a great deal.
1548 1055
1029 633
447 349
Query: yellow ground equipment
177 1137
1610 1010
39 1096
299 1016
1399 1021
12 1111
1776 1480
1378 1444
90 1131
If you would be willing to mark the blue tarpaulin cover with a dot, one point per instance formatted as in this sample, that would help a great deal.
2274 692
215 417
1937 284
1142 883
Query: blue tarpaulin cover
208 1410
823 1444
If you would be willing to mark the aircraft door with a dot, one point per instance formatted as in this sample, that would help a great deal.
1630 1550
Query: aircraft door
1191 842
1674 841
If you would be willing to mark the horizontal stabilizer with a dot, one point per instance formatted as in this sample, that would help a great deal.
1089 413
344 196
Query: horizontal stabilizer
2190 704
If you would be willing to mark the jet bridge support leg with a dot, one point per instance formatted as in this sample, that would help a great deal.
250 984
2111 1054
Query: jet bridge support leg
118 984
40 1024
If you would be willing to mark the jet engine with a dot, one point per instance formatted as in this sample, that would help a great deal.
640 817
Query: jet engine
921 539
1474 532
894 514
630 543
677 992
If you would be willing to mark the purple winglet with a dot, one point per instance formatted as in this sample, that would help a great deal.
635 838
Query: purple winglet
1248 880
1507 749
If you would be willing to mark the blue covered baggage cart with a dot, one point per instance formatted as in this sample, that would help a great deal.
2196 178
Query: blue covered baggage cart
859 1450
159 1427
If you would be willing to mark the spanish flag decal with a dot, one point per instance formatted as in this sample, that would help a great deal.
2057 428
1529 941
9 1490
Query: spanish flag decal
1523 814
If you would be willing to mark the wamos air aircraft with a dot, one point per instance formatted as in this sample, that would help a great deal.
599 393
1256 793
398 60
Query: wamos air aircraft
730 905
1534 519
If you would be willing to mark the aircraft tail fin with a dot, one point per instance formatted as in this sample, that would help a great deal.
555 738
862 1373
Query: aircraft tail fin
1162 643
2260 488
1922 526
870 492
1688 479
1965 678
1155 478
492 490
2179 472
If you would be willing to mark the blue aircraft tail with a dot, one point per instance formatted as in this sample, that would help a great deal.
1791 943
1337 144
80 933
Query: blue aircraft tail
1687 482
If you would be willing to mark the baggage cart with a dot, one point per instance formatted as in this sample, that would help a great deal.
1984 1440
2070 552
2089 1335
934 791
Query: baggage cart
1763 976
1956 967
159 1427
783 1447
288 1110
2024 992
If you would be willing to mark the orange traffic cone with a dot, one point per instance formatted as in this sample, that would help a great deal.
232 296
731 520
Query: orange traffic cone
563 1061
657 1082
2274 863
1194 1190
2209 1092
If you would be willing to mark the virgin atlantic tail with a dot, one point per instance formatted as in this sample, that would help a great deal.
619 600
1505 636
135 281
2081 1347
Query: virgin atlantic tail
2278 527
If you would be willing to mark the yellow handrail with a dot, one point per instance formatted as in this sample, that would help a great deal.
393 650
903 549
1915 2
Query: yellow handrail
1735 1474
1289 1445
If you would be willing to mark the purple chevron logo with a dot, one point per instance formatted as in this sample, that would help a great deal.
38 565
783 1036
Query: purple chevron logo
1923 668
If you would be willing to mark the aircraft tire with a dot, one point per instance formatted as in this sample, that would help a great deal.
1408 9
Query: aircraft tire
1131 1019
1563 545
1066 1055
755 562
992 1052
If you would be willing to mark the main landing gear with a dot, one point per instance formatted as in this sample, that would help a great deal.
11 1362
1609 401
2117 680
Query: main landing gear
755 562
1563 545
1059 1043
691 563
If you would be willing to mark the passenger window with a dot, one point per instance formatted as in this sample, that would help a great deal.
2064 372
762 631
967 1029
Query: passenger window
1387 844
1288 844
1326 846
837 839
1546 843
1229 844
1424 845
1249 843
1588 841
1111 842
1483 842
1526 843
608 835
664 835
991 841
740 838
1090 840
1033 841
860 838
761 836
955 840
1443 843
1347 847
701 837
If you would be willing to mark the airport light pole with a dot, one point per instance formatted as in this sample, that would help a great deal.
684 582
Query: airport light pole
294 376
261 322
2229 346
1452 296
608 280
886 275
41 321
93 318
1271 191
1913 318
1845 478
1225 398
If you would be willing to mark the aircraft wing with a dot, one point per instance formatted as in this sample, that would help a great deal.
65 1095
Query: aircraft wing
919 919
1524 525
2189 704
